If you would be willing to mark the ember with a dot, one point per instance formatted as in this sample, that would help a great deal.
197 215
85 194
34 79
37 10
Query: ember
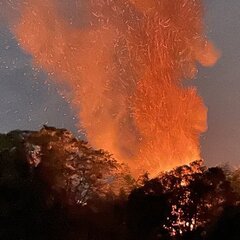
124 66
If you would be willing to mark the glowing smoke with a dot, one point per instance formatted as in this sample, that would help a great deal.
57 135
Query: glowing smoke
124 66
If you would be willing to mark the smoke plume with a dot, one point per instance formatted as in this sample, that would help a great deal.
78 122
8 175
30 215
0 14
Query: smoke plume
124 62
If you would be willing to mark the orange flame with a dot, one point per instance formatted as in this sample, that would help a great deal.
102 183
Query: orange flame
125 68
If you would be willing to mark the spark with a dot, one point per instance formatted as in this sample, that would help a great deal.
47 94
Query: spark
125 74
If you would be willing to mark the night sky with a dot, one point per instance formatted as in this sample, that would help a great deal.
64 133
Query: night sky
28 99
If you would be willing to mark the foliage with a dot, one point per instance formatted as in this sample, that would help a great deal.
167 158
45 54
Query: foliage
73 169
183 200
54 186
11 140
235 180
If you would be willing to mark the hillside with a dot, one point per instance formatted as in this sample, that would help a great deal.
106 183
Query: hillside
55 186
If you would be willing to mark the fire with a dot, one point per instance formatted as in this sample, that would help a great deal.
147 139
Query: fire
124 67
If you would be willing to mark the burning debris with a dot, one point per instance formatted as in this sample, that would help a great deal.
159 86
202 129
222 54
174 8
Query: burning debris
124 65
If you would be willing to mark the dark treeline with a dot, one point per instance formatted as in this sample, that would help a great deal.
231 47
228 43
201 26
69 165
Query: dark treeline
53 186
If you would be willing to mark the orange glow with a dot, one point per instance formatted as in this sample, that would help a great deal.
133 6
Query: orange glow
125 68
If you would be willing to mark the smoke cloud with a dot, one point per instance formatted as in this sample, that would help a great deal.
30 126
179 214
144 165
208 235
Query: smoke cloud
124 62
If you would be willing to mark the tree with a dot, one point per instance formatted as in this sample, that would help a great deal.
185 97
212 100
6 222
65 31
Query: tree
184 200
74 170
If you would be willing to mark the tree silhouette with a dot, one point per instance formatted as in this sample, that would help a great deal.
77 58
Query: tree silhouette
54 186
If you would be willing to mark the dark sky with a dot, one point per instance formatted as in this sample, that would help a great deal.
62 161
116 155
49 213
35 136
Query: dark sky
220 86
28 100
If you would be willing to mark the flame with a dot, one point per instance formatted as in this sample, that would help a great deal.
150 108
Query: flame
124 67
